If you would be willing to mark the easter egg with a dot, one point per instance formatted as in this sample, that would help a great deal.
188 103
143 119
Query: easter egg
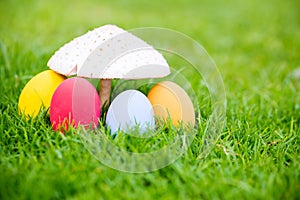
171 101
130 109
74 102
38 92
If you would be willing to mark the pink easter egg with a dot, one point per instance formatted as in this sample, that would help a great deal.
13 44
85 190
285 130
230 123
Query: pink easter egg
74 102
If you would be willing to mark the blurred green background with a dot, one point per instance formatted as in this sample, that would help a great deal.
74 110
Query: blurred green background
243 37
255 45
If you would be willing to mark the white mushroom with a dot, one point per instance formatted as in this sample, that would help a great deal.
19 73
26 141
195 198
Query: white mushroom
106 53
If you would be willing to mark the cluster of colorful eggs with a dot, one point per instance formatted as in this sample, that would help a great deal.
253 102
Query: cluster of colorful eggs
75 101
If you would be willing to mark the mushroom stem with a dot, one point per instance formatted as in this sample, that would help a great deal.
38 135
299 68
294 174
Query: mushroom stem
105 86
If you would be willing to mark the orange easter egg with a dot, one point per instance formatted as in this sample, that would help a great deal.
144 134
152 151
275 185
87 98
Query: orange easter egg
169 100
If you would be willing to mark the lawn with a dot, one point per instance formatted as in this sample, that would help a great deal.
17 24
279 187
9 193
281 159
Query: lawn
255 45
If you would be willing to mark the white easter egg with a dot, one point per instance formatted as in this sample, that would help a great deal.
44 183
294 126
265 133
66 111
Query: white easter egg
130 109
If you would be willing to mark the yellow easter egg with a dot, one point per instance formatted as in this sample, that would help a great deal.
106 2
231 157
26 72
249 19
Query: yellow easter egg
38 92
169 100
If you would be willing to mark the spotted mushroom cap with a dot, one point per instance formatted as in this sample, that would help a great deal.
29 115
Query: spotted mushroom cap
109 52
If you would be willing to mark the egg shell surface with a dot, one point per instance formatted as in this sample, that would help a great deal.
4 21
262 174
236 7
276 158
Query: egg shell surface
169 100
38 92
74 102
128 110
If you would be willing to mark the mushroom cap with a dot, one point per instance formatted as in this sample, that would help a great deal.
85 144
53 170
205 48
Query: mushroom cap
109 52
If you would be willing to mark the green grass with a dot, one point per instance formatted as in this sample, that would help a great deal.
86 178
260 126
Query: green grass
256 46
